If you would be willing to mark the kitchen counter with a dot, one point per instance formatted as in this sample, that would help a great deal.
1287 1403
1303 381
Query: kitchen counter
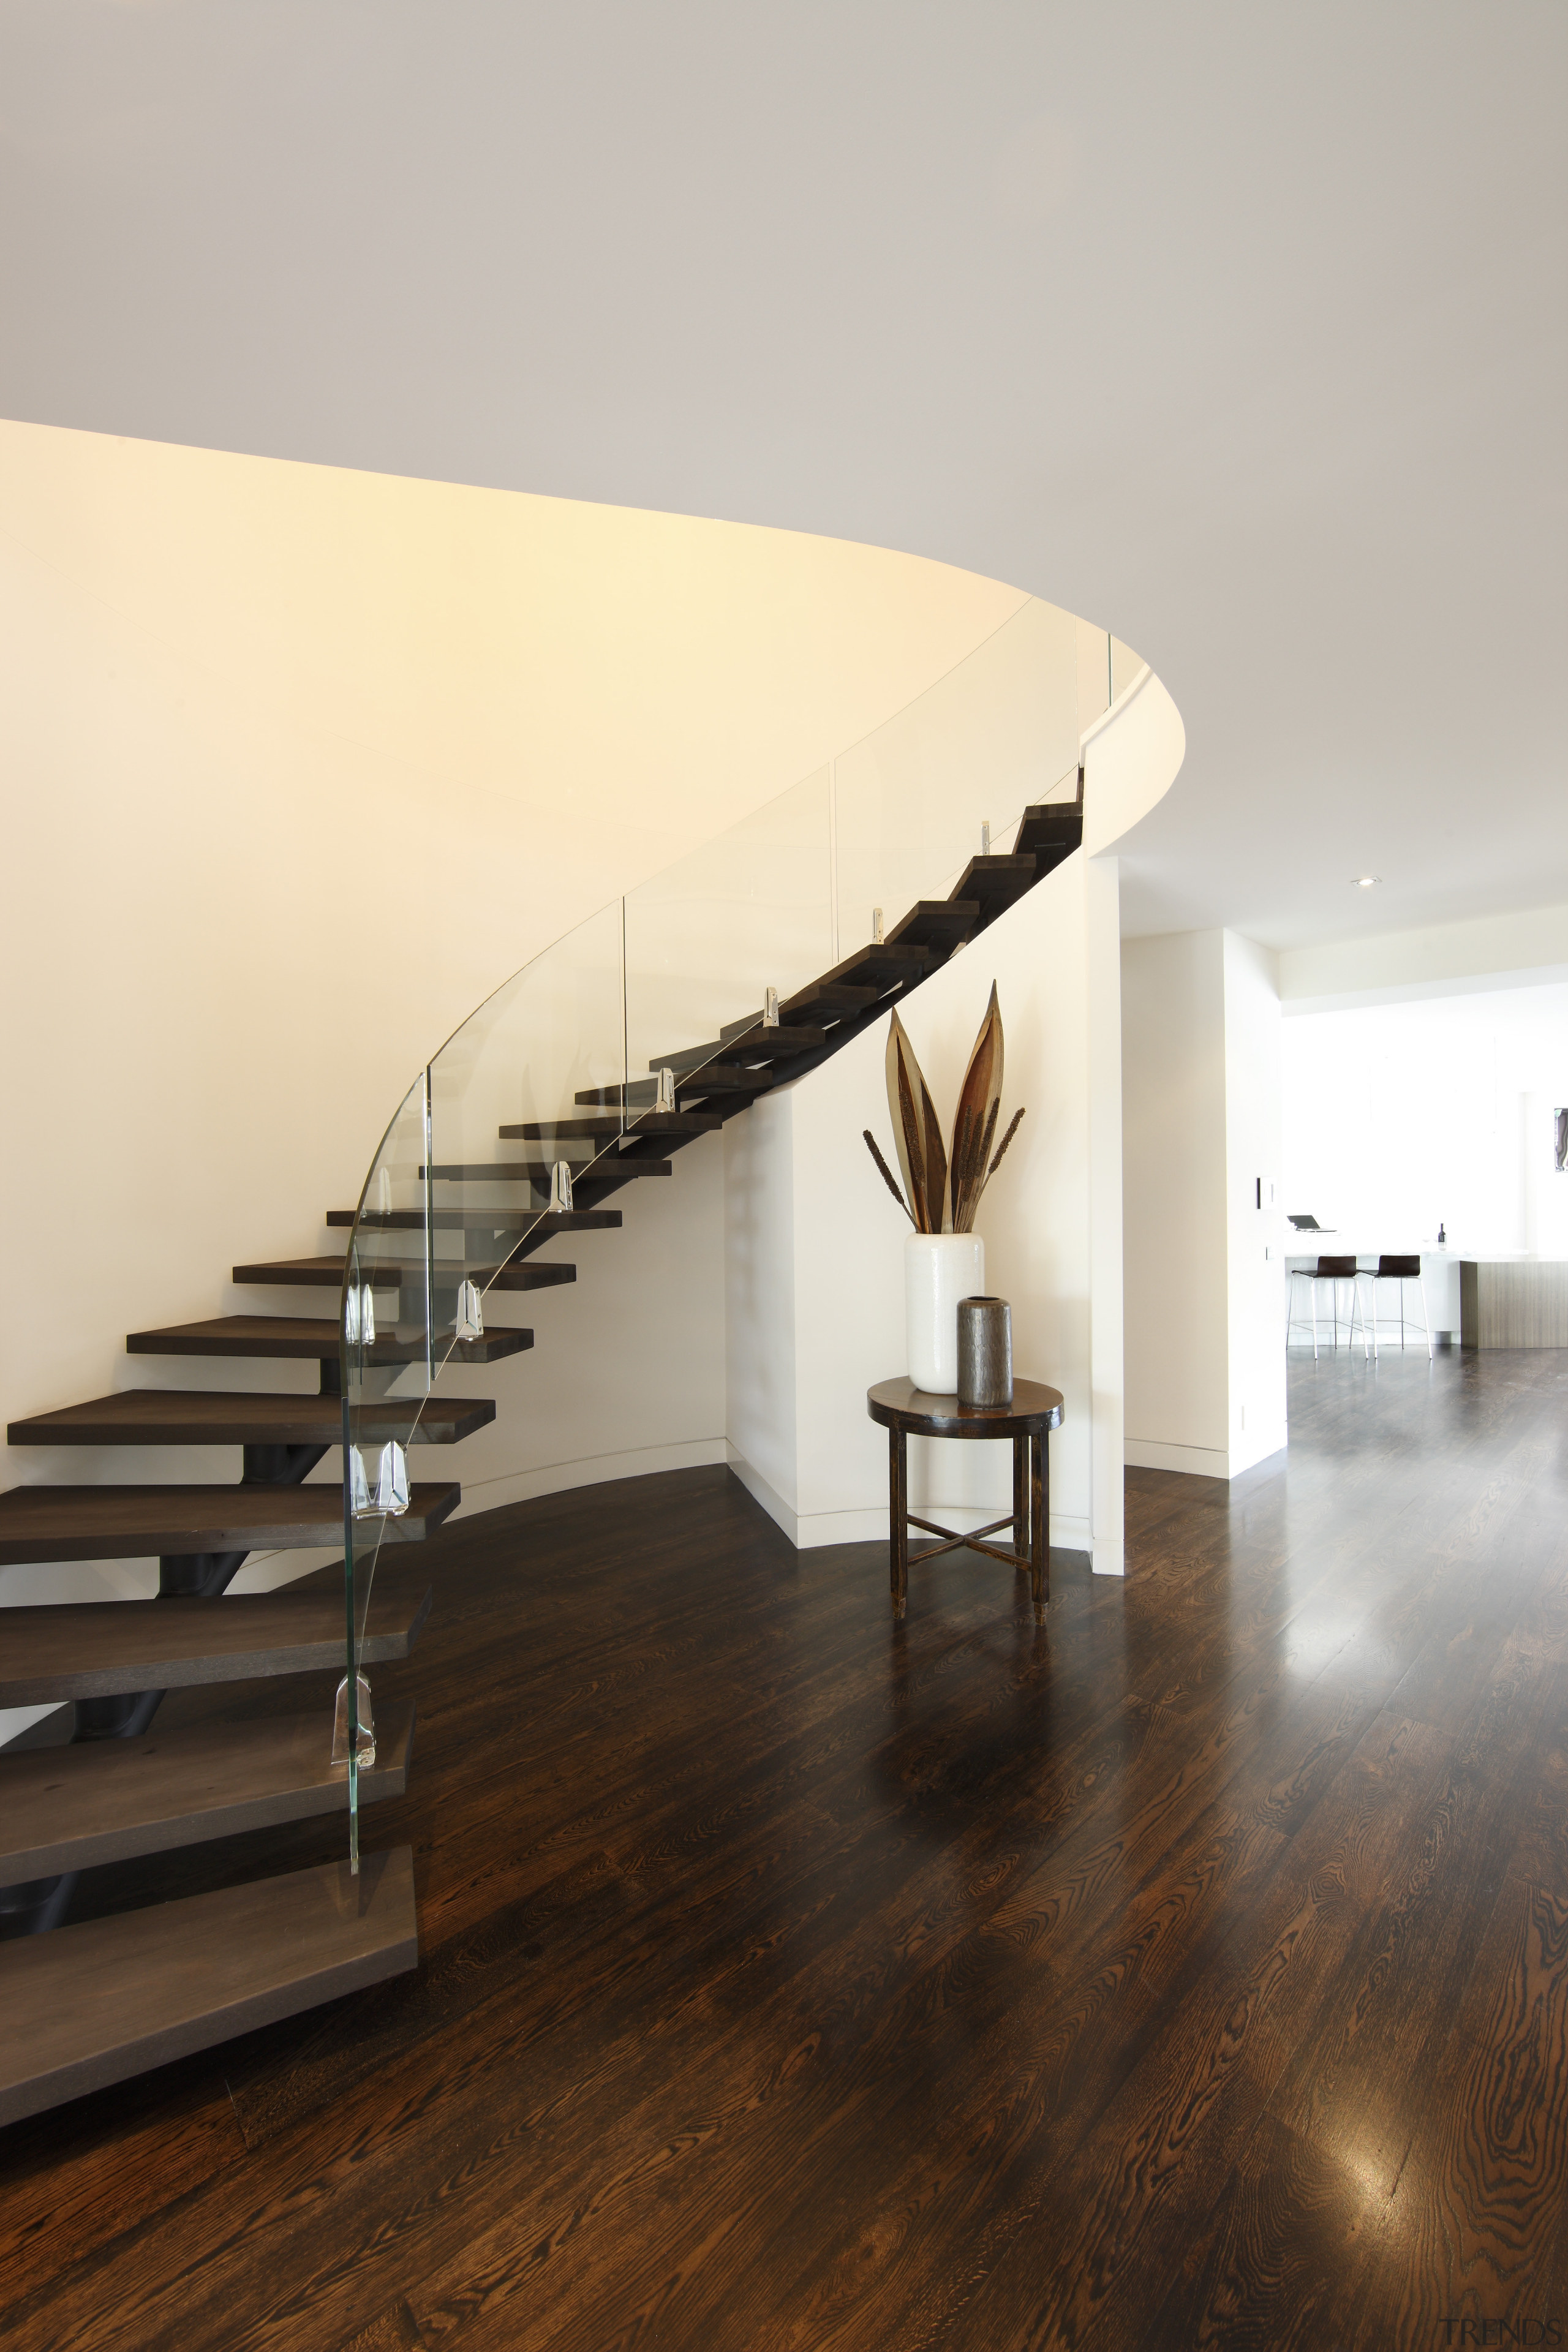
1439 1273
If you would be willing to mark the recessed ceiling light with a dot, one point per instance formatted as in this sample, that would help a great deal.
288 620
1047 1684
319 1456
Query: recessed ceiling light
1365 881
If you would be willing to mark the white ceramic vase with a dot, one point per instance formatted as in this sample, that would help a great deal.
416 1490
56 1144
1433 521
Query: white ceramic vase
939 1270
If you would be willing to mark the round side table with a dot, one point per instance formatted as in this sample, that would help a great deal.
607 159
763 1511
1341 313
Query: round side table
906 1412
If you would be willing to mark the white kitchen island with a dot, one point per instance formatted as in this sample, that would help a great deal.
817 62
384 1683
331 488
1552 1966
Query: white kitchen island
1439 1276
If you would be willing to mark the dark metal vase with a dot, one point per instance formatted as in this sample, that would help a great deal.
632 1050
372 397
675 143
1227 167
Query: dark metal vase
984 1351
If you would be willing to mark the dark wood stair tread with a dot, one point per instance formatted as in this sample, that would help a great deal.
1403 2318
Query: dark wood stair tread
309 1336
995 883
608 1173
538 1172
327 1274
936 923
455 1220
298 1336
1050 831
711 1078
651 1122
884 966
460 1218
306 1337
70 1808
94 1649
212 1417
154 1522
825 999
91 2005
752 1043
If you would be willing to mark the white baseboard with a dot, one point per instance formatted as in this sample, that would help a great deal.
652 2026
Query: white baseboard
1196 1461
759 1491
1251 1451
1201 1461
264 1572
589 1470
811 1530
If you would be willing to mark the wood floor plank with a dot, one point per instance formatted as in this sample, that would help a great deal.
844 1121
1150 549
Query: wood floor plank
1191 1973
1360 2077
1151 2161
1279 2259
1473 2219
62 2202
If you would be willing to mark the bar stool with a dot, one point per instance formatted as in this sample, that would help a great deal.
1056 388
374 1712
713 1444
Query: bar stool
1334 1270
1399 1270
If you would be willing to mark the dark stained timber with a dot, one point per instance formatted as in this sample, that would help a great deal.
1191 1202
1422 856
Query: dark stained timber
327 1274
68 1808
1190 1970
148 1522
183 1975
204 1417
94 1649
302 1337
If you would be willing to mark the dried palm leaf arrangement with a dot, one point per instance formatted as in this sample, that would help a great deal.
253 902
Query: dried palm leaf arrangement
941 1192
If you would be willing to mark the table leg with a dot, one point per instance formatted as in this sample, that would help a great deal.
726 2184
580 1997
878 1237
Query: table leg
1020 1497
897 1518
1039 1524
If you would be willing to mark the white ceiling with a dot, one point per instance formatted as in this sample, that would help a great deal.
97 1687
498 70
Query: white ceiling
1237 329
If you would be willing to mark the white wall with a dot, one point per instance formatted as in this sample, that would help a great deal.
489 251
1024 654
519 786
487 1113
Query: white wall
815 1302
814 1284
298 765
1203 1301
1255 1411
1175 1228
761 1339
1400 1116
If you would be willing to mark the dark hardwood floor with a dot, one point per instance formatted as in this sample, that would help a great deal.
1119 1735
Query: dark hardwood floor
1193 1970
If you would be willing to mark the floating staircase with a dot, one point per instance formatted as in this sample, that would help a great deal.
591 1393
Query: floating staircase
88 2004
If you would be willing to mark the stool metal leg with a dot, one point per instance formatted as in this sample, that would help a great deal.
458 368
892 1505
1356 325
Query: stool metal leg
1314 1318
1293 1322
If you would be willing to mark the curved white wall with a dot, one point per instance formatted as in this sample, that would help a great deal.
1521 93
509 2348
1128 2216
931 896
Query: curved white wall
302 763
299 764
814 1303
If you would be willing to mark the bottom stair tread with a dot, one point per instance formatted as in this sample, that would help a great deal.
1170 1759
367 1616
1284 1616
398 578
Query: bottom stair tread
71 1807
93 2004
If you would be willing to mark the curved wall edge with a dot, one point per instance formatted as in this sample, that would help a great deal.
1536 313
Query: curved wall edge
1131 757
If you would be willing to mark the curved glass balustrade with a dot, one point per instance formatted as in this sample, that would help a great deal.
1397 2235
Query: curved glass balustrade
535 1113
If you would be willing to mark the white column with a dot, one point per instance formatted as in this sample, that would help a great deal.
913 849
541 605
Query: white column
1204 1263
1103 1012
